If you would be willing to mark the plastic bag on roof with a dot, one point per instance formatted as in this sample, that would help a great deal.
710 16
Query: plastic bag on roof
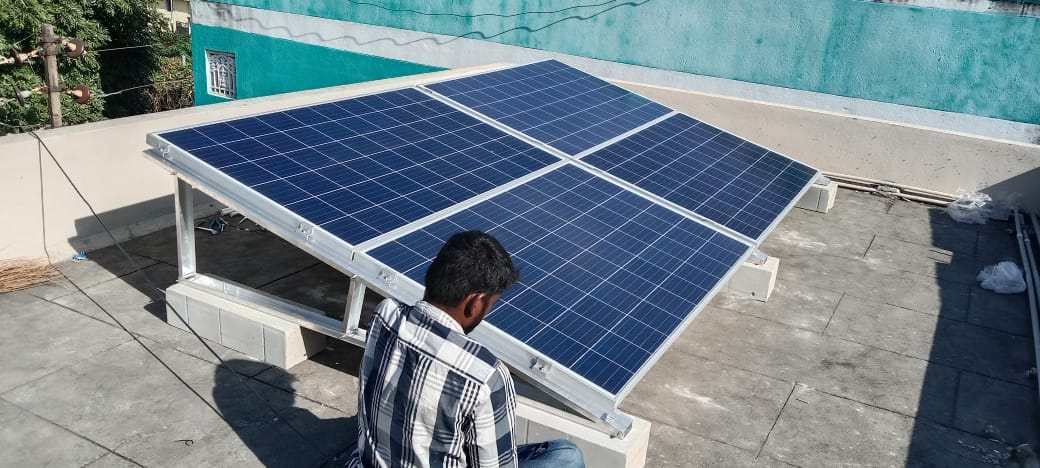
971 208
1003 278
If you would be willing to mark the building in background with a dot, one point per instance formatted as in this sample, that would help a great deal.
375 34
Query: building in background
178 12
962 66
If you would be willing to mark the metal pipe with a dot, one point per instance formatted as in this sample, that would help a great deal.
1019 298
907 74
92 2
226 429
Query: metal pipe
836 175
1027 255
1036 270
916 198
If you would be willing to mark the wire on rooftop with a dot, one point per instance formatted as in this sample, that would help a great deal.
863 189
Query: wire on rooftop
151 284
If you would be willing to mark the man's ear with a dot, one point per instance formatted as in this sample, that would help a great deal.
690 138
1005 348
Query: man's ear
473 304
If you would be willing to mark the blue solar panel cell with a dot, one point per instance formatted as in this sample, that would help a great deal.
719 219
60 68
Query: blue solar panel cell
362 167
606 275
564 107
717 175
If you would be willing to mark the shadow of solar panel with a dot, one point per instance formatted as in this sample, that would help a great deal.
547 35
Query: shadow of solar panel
607 276
722 177
362 167
564 107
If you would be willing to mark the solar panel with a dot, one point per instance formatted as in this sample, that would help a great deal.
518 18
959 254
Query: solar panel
722 177
606 275
561 106
610 273
362 167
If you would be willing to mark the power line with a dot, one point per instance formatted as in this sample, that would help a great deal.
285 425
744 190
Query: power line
142 86
20 126
19 41
125 48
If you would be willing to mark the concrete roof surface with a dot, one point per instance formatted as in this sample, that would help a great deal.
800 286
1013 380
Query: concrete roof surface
877 347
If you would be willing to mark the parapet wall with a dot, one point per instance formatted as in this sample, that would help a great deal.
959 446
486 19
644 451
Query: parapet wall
903 60
927 158
134 196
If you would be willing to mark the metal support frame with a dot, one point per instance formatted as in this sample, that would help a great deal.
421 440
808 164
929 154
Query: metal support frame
299 314
355 299
184 208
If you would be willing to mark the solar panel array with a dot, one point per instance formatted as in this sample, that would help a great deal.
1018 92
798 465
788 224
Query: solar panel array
606 275
564 107
724 178
362 167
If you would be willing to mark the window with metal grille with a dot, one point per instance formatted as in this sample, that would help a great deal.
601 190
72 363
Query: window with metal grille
220 74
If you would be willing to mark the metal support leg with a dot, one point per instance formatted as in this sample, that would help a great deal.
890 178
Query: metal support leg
355 299
184 206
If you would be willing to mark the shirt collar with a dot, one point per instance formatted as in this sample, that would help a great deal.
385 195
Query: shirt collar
439 316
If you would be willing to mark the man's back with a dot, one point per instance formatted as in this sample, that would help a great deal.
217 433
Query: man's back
430 396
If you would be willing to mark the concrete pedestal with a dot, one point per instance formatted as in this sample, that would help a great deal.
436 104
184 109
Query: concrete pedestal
819 197
755 281
241 328
536 422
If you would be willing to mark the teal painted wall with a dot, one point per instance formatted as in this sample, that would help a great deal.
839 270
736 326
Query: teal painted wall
268 65
959 61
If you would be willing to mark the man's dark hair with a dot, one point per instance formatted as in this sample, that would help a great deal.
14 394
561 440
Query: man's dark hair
469 262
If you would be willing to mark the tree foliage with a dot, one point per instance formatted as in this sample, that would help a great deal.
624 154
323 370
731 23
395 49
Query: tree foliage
114 32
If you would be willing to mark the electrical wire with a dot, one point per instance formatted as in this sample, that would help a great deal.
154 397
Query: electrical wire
480 15
19 126
480 35
19 41
418 12
104 95
151 284
124 48
141 86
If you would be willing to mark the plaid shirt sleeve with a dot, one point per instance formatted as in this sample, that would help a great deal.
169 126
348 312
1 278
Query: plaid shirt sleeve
493 418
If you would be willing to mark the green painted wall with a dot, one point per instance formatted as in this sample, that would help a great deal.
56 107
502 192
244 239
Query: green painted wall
959 61
268 66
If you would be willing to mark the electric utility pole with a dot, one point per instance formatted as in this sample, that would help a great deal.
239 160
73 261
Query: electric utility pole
50 44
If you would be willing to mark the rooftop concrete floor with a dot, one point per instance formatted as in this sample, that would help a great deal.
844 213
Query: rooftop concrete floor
877 348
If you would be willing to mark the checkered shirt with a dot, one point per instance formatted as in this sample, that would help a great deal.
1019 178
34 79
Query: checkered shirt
430 396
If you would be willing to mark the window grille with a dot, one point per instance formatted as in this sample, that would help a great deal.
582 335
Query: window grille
220 74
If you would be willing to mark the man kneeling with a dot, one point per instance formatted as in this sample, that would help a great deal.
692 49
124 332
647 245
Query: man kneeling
430 395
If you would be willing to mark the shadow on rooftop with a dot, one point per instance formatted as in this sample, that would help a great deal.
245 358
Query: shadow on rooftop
1023 189
278 426
978 399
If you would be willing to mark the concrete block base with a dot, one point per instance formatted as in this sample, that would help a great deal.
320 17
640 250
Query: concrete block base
241 328
819 197
755 281
536 422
